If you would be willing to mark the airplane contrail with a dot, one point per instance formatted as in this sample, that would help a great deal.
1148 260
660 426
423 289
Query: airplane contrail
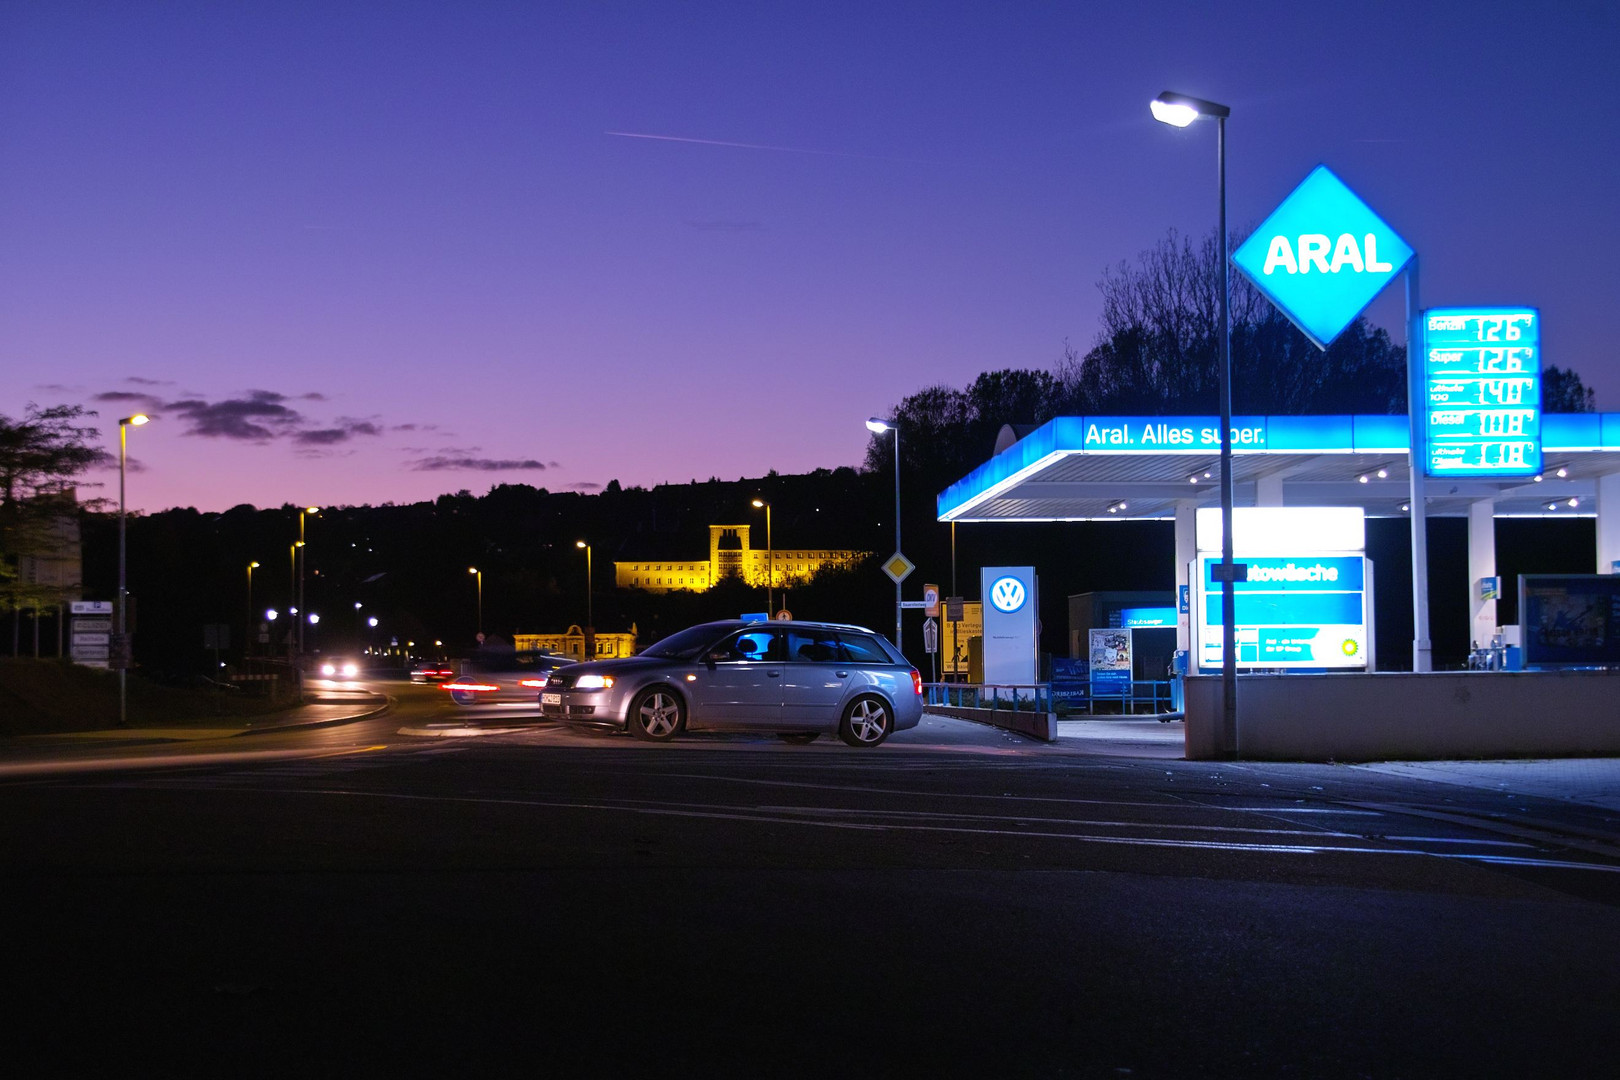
762 146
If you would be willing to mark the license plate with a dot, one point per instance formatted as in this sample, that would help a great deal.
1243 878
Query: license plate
551 699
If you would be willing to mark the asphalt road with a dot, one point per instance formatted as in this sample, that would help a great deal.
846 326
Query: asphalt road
958 902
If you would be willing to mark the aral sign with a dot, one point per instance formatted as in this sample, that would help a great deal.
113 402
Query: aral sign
1322 256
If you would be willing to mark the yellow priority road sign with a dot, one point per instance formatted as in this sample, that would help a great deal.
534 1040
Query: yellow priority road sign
898 567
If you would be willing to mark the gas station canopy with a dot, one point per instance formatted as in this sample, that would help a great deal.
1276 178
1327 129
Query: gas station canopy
1109 468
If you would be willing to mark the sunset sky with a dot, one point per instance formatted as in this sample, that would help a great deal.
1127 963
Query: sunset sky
360 253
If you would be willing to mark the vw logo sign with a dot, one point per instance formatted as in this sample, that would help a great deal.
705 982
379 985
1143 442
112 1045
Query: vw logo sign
1007 594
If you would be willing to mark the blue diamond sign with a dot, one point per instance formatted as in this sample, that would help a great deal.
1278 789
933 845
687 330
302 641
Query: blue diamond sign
1322 256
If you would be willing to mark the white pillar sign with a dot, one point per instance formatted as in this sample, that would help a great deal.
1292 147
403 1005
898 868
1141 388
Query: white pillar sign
1011 646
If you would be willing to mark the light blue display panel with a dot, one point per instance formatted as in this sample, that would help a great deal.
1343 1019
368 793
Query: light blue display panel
1307 612
1322 256
1482 376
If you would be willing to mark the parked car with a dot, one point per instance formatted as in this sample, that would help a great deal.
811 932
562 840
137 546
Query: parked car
798 680
426 671
504 680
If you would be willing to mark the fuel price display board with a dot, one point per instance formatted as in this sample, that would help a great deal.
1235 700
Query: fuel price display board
1482 376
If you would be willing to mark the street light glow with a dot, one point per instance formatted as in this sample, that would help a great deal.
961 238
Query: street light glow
1176 115
135 421
876 426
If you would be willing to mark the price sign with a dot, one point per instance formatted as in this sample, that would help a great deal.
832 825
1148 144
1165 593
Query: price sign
1482 378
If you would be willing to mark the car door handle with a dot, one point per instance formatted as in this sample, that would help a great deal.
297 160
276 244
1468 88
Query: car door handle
842 674
774 674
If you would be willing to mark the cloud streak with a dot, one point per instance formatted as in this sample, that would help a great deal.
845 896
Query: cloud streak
475 464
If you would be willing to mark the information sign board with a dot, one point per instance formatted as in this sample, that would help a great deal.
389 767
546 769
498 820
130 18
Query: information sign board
1569 620
1482 380
1291 612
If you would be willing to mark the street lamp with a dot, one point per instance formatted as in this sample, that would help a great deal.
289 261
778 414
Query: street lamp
770 559
479 574
123 651
878 427
590 618
292 587
303 564
247 636
1181 110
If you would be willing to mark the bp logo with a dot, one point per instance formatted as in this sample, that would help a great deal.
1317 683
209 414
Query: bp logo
1350 647
1007 594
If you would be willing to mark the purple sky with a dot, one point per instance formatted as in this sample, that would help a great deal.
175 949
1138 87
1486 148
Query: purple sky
376 252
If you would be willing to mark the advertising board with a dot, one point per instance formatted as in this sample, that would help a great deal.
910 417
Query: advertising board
1570 620
1011 643
1306 603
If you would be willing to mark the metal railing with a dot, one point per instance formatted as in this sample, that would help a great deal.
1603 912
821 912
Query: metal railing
1038 697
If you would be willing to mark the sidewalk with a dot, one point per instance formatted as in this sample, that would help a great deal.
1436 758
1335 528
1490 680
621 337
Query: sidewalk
1589 781
322 706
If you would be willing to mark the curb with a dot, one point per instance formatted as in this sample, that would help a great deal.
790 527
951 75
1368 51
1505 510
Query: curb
388 702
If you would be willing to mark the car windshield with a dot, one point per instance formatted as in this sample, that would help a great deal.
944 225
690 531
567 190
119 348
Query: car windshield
687 644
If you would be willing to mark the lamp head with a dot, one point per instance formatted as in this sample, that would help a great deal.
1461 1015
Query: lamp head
253 566
877 426
581 544
312 509
1180 110
761 502
472 569
135 421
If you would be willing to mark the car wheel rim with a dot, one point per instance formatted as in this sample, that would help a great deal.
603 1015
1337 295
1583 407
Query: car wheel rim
869 721
658 714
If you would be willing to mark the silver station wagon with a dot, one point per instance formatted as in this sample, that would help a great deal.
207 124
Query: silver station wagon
798 680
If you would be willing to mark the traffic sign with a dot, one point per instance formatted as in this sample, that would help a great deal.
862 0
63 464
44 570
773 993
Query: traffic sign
784 615
1322 256
953 609
931 601
930 636
91 607
898 567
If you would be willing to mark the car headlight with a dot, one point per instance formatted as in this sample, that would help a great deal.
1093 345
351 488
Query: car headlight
593 682
351 670
328 669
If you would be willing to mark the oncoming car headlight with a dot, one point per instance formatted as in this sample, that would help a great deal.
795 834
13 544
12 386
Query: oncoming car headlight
594 682
328 668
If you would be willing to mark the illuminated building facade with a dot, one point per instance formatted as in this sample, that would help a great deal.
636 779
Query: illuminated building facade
731 555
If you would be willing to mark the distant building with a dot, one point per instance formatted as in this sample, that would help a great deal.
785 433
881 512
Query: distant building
731 555
572 643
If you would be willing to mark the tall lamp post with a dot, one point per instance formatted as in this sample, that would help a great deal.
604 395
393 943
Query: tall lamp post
247 630
479 574
590 618
292 597
1180 110
878 427
770 559
122 657
303 564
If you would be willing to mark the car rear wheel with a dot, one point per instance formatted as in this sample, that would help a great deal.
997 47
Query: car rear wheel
866 722
800 738
656 715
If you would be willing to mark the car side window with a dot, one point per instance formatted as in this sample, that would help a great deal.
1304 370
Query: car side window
860 649
749 645
812 647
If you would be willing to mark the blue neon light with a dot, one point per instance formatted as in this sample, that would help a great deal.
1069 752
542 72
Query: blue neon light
1359 434
1132 617
1322 256
1482 378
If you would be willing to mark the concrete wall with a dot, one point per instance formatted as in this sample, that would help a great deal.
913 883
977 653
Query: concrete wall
1405 715
1037 725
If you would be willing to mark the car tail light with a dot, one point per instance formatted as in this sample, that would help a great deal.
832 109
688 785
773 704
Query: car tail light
534 683
916 681
475 687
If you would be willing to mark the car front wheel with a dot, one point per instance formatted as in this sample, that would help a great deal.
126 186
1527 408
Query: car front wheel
866 722
656 715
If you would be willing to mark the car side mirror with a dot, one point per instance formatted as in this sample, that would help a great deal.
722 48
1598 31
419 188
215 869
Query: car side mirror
708 660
